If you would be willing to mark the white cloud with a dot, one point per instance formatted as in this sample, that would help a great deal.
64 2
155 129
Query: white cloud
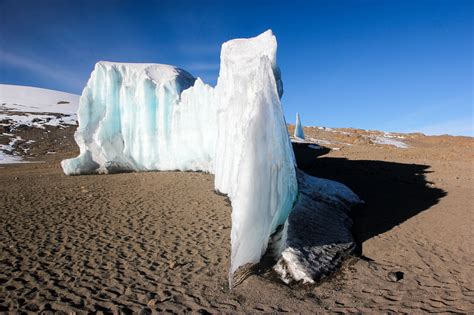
39 68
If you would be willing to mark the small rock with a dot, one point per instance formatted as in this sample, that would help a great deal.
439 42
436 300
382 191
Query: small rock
172 264
151 303
395 276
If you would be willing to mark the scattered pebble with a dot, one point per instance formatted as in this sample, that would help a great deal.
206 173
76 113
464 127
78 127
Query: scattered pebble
395 276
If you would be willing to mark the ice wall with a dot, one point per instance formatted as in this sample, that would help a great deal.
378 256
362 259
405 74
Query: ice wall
139 117
299 133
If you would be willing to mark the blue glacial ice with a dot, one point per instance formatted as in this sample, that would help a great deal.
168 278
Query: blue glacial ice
141 117
298 128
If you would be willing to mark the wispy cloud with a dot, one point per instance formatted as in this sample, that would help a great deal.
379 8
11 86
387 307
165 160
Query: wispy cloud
39 68
456 127
429 120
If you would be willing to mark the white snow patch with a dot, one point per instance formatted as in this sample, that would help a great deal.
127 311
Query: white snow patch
319 141
10 159
10 146
6 156
389 141
37 121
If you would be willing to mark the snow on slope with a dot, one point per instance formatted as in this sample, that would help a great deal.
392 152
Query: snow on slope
36 107
157 117
17 98
31 107
388 139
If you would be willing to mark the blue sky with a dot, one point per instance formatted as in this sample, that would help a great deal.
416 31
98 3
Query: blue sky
386 65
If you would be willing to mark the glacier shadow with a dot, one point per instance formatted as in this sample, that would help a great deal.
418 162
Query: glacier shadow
393 192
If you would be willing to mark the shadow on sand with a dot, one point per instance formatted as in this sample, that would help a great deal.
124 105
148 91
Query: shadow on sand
393 192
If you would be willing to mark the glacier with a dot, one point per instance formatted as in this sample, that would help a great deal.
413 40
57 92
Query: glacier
299 133
143 117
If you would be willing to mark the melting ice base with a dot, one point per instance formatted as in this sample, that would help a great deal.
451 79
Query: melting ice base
156 117
319 230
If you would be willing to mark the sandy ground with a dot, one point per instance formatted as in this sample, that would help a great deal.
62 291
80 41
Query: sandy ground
160 241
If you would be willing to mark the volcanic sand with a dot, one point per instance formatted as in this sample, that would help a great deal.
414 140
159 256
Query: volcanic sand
160 241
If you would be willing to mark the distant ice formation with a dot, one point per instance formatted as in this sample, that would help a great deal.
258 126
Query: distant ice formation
139 117
298 128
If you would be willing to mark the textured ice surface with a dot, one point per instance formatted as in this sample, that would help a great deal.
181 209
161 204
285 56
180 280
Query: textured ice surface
254 163
319 230
139 117
298 128
155 117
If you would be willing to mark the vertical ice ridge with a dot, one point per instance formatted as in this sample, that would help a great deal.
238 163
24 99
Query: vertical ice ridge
255 166
299 133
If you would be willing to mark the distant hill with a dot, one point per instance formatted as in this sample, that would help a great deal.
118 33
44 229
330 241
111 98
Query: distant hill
16 98
29 116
